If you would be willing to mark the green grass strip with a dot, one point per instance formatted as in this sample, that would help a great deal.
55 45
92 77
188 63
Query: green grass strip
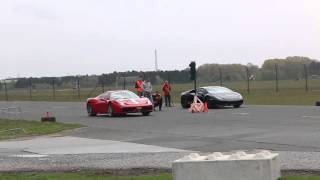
10 129
78 176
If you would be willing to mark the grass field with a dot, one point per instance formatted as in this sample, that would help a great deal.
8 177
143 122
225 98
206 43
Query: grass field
10 129
92 176
300 178
261 92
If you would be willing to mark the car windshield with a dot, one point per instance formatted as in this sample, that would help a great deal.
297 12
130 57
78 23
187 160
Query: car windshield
123 95
218 90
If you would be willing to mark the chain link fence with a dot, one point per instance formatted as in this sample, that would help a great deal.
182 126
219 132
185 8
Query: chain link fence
78 88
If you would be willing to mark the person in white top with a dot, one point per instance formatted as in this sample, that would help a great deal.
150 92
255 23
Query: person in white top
147 90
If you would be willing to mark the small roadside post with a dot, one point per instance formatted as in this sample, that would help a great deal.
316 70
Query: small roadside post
248 80
306 77
30 88
53 89
220 76
276 77
6 90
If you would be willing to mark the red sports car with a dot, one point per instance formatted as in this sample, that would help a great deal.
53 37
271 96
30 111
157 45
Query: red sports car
118 102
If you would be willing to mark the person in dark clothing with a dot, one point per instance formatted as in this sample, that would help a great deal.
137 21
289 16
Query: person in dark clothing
166 88
157 100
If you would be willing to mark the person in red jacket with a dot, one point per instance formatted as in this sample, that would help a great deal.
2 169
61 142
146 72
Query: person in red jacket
166 88
138 86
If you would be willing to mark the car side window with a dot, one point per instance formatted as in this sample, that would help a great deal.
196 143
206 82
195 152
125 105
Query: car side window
107 96
200 91
104 96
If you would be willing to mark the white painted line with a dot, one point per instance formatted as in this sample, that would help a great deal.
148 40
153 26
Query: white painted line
29 155
242 114
315 117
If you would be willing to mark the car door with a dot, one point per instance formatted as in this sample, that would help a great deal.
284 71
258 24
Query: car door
201 93
102 104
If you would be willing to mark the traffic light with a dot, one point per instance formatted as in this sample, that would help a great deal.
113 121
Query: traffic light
193 71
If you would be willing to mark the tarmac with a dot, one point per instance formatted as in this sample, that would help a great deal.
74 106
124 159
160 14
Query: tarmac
155 141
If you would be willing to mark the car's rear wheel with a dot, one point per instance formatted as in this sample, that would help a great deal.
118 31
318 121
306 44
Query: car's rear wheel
90 110
209 102
111 110
146 113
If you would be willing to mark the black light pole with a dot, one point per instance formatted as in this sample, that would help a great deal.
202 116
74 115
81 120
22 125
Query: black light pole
193 74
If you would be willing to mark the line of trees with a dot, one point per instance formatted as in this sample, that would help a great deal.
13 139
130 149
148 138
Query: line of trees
288 68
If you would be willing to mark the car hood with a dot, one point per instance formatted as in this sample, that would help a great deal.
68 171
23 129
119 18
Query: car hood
228 96
137 101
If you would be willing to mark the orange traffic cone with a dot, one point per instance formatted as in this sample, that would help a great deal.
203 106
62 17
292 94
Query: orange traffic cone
205 109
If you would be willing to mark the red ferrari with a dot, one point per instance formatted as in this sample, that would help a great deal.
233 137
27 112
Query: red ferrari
118 102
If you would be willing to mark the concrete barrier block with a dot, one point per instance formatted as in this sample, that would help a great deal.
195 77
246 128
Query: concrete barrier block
263 165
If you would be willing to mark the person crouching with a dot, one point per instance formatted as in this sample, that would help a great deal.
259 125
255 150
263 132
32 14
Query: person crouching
157 100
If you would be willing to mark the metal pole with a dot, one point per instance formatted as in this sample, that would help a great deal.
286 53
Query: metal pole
53 89
124 83
195 85
6 90
306 77
248 80
220 76
276 69
30 88
156 60
78 86
102 83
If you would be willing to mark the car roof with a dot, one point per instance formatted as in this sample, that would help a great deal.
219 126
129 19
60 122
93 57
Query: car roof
113 91
116 91
205 87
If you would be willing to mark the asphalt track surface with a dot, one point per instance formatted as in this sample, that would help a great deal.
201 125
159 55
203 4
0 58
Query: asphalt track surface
279 128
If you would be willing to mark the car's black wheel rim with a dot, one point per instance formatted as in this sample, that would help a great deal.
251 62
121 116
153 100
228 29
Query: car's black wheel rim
111 110
89 109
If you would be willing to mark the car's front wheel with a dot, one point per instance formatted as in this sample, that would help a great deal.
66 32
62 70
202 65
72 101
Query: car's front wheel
184 102
90 110
146 113
111 110
236 106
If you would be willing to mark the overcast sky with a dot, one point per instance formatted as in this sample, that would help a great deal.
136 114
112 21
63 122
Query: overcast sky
70 37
